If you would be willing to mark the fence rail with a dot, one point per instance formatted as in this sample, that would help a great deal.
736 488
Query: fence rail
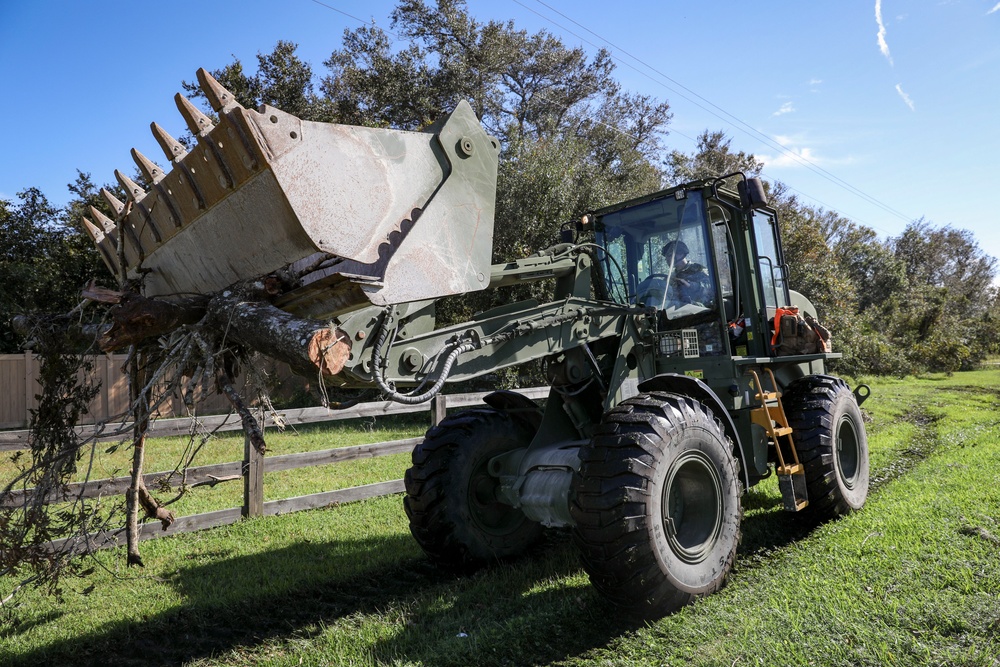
251 469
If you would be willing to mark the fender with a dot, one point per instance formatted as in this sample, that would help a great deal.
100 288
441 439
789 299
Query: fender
698 390
518 406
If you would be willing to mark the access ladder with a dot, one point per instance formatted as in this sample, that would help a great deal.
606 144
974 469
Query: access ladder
770 415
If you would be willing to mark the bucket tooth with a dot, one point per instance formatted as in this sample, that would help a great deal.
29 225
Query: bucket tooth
197 122
106 223
134 251
220 98
117 206
173 149
261 189
104 243
146 221
149 170
135 192
95 233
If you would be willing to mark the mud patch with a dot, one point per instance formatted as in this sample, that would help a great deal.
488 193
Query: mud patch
926 442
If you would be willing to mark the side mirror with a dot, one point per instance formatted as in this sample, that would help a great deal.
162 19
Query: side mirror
752 194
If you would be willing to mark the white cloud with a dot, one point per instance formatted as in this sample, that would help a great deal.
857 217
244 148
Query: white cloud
996 8
791 157
794 154
906 98
815 82
882 44
787 107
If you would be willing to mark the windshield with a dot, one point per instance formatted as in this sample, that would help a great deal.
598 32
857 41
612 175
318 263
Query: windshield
657 254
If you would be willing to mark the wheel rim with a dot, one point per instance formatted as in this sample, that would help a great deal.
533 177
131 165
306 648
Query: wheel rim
692 506
848 451
489 514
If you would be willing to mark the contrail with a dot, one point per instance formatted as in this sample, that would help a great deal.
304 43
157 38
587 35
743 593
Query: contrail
906 98
882 44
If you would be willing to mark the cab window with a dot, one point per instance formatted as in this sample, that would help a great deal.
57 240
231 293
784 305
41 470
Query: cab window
769 263
658 254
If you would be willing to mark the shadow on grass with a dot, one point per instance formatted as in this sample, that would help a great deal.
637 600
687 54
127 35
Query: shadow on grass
13 626
235 605
538 609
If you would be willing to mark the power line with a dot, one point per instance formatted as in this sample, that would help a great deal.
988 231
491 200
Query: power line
745 127
704 104
342 12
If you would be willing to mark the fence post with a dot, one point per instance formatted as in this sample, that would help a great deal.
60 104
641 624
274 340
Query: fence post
105 363
30 377
439 409
253 479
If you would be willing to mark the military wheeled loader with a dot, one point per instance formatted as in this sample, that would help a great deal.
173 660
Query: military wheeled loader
683 370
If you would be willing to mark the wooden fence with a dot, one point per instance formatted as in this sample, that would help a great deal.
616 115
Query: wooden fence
19 387
252 468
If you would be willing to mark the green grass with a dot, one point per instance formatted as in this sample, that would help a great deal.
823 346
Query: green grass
912 579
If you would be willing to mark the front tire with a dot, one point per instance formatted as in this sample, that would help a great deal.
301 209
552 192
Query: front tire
657 504
451 497
830 438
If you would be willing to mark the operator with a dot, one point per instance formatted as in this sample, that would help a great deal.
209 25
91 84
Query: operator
689 282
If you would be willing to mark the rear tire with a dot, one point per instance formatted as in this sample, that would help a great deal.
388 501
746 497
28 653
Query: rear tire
451 498
830 437
657 504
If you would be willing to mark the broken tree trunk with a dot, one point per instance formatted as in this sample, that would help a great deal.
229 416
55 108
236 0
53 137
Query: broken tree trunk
136 318
237 316
307 346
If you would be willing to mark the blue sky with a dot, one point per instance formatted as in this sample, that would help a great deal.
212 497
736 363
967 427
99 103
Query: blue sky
883 110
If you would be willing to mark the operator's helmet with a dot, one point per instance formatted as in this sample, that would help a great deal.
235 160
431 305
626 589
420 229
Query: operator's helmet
675 249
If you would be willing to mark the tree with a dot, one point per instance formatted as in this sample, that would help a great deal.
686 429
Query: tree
282 80
945 314
713 157
44 259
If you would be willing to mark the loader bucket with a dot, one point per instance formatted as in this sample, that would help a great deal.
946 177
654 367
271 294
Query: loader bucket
362 215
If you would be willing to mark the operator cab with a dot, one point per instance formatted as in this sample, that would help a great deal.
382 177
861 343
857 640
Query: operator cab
658 255
680 251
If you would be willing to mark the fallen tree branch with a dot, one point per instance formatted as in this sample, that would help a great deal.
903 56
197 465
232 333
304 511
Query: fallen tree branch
153 509
240 315
213 480
136 318
251 427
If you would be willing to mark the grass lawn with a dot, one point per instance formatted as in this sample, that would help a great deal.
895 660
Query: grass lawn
912 579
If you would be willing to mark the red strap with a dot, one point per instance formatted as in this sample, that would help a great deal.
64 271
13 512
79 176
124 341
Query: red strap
778 314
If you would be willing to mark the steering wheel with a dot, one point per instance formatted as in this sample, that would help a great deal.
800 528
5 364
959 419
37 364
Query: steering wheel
646 292
648 280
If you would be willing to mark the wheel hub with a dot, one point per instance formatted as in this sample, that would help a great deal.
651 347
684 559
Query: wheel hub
692 506
848 451
487 511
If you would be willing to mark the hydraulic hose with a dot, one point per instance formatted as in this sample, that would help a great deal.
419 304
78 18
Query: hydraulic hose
457 349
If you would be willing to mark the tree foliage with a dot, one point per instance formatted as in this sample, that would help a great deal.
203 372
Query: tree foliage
923 300
572 141
45 259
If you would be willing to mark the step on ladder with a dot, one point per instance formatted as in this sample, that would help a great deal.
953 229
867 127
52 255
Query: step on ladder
771 416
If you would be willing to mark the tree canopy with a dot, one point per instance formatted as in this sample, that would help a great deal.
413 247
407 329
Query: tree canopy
573 140
45 259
